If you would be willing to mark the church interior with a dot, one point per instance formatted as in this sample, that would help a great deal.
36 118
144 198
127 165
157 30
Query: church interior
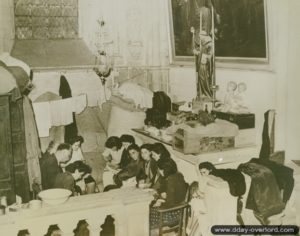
138 117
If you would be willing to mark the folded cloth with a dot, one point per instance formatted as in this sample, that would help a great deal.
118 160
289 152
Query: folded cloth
141 96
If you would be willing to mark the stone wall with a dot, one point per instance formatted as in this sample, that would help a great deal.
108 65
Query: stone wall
46 19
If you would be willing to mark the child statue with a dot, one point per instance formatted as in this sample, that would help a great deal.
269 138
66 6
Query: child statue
234 99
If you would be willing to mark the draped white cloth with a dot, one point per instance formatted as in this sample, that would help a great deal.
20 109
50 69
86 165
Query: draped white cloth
81 82
57 113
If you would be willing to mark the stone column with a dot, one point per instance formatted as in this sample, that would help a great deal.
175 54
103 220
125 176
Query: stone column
94 224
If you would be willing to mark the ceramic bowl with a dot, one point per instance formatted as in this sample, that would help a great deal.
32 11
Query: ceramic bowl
55 196
35 204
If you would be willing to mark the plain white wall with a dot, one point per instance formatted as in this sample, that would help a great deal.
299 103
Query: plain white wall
7 27
293 83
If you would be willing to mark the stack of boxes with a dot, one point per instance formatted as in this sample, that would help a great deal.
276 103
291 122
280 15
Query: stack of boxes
246 124
192 143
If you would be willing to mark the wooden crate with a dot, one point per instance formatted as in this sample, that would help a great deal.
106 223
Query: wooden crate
190 143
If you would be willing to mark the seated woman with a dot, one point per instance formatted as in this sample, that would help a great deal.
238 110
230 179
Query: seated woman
112 155
77 155
126 141
133 170
207 171
152 177
76 143
211 198
73 172
171 194
113 152
234 178
160 153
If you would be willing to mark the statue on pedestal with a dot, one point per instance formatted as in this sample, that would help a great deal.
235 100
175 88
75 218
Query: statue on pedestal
202 28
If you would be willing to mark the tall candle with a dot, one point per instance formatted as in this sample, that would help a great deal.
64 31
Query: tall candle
213 45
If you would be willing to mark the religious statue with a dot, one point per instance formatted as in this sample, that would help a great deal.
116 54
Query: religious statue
204 65
202 28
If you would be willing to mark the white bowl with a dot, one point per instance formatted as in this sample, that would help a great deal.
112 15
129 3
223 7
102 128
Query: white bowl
35 204
55 196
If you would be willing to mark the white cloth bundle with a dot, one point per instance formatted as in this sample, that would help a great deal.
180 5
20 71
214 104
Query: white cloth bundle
141 96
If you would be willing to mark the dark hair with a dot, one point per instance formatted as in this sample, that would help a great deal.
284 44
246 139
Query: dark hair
159 148
147 146
64 146
113 141
76 139
78 165
194 187
207 165
50 147
133 147
110 187
168 167
127 138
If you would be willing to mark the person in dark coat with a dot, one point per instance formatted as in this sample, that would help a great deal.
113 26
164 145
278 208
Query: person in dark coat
173 192
51 164
234 178
157 115
283 175
264 196
174 187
